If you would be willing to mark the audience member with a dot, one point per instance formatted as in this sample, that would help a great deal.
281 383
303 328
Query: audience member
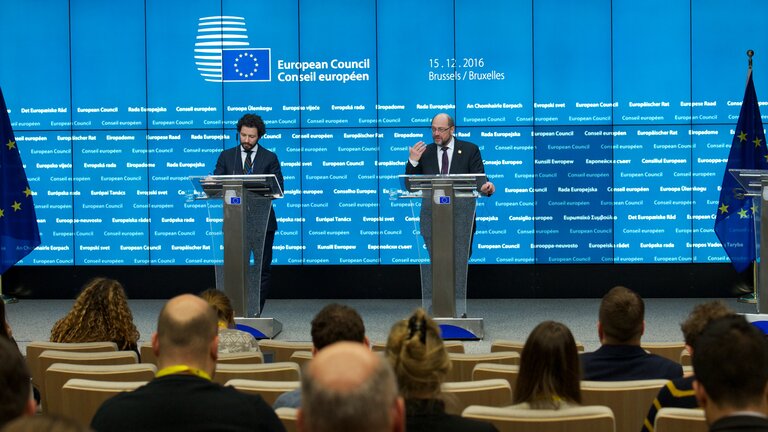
549 369
334 323
5 328
231 340
678 393
100 314
182 396
731 367
15 388
346 387
417 354
620 358
44 423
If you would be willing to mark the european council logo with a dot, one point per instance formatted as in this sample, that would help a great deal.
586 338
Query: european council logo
223 54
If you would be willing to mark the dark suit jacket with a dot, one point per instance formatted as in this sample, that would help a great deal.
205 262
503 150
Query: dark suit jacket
466 160
230 162
740 423
625 363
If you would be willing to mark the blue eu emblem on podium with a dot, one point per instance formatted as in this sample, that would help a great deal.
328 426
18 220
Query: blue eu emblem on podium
445 200
246 64
234 200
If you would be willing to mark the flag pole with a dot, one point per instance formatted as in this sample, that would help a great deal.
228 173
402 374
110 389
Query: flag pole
5 298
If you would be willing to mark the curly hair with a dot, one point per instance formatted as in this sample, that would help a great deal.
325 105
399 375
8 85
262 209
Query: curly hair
100 314
416 352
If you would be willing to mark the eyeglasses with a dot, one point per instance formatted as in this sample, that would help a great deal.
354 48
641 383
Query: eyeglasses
440 129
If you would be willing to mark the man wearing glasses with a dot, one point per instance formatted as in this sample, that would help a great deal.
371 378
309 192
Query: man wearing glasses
446 155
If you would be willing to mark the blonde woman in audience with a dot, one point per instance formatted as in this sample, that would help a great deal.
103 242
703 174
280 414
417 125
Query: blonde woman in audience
231 340
100 314
416 352
550 374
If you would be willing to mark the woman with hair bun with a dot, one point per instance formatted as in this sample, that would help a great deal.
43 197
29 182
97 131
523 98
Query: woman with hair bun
550 375
231 340
416 352
100 314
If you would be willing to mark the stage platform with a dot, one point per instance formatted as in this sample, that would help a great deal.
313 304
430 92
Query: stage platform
504 318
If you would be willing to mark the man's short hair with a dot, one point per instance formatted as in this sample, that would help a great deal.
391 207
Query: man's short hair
621 314
700 316
15 385
364 408
252 121
336 323
730 360
192 335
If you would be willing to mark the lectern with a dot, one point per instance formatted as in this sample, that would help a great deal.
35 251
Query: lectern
755 184
247 201
446 226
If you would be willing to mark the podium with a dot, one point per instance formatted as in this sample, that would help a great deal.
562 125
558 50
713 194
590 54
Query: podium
247 202
755 184
446 225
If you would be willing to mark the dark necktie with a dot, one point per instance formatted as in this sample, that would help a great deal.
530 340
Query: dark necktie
248 165
445 166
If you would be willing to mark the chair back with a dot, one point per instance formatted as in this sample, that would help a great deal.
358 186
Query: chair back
253 357
484 371
146 354
35 348
517 346
301 357
288 417
281 350
59 373
680 420
491 392
629 400
685 358
462 364
49 357
573 419
268 390
81 398
669 350
281 371
451 346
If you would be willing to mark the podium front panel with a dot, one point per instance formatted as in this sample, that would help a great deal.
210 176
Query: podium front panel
443 256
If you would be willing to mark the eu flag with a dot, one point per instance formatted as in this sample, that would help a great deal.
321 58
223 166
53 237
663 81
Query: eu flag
18 224
246 64
735 221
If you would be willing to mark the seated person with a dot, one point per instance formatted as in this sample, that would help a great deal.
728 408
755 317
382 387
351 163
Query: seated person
549 369
620 358
731 367
678 393
417 354
231 340
100 314
15 389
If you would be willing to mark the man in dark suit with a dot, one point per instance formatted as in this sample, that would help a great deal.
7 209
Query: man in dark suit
731 368
455 156
620 327
251 158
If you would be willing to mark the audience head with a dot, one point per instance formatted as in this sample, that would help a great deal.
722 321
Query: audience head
731 368
700 316
417 355
45 423
549 368
336 323
622 315
221 304
15 387
100 313
187 333
348 387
